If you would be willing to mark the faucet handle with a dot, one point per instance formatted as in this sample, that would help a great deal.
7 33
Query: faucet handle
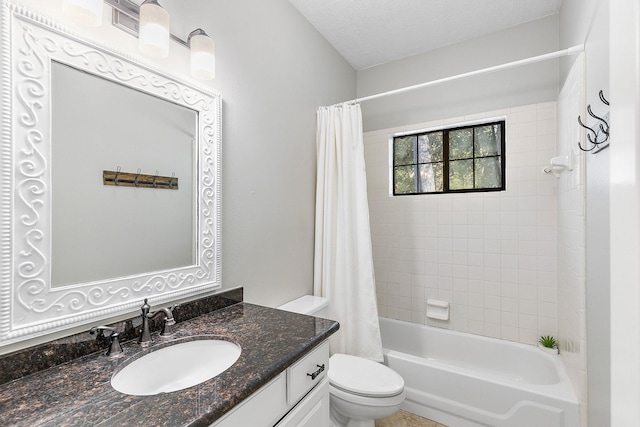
100 330
114 347
145 335
172 309
145 307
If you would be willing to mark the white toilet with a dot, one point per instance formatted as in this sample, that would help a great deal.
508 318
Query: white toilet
361 390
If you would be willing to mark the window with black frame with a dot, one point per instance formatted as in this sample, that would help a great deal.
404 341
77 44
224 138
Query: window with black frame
458 159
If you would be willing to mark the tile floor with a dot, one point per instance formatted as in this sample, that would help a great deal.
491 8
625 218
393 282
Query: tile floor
406 419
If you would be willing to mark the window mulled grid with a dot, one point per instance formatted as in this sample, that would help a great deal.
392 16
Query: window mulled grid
453 160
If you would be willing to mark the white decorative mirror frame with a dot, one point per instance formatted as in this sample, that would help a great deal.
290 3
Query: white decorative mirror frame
29 306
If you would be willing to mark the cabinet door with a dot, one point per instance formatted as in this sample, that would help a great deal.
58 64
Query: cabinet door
312 411
261 409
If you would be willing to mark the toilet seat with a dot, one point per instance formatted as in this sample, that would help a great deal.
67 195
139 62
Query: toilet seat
363 377
366 401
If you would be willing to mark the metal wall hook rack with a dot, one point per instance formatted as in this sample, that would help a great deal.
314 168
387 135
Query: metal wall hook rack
137 179
598 138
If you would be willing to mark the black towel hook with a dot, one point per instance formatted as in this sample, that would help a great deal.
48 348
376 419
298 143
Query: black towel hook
603 99
604 122
596 137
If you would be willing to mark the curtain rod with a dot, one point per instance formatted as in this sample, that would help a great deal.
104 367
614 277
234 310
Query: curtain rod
574 50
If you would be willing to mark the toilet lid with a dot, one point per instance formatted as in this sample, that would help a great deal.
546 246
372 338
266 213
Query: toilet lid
363 377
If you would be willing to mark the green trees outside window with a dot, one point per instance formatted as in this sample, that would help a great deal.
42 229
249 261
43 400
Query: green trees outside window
461 159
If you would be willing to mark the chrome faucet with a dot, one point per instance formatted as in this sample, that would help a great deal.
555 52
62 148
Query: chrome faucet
114 348
169 321
167 326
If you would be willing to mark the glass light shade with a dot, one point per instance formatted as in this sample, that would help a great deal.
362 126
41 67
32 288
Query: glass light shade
203 56
85 12
153 38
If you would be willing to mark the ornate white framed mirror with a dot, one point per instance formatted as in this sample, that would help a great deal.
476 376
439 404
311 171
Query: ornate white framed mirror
73 250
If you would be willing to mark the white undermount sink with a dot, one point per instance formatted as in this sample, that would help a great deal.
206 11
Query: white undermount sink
176 366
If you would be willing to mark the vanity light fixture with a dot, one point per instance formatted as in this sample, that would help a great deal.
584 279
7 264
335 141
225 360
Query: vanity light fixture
150 23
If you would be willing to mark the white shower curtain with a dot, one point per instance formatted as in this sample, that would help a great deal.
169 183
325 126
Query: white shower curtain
343 268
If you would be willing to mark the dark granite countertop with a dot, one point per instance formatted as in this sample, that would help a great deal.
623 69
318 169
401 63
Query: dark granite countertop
79 393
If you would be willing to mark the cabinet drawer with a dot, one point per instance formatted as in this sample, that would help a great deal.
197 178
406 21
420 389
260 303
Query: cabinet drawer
307 372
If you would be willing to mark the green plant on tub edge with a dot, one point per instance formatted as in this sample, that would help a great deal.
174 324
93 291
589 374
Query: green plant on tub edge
548 341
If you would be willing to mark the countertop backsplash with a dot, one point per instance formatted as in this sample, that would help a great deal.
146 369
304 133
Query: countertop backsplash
47 355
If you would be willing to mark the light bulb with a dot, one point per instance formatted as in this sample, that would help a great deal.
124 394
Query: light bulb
85 12
203 55
153 38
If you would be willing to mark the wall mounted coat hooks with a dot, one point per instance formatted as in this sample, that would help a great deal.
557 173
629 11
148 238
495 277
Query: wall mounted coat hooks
598 138
127 179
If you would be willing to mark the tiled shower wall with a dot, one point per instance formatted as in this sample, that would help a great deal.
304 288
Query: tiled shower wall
492 256
572 237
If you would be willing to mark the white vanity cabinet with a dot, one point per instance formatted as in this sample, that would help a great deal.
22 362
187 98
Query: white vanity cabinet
312 411
299 396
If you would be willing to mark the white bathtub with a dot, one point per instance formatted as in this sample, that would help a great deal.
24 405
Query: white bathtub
465 380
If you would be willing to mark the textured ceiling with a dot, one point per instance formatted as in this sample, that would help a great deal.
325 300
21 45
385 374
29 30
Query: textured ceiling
373 32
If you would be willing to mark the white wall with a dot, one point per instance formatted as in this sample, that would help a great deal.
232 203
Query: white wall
577 18
491 255
273 70
625 212
588 22
508 88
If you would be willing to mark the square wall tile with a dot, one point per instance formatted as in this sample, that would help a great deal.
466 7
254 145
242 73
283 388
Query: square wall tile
494 256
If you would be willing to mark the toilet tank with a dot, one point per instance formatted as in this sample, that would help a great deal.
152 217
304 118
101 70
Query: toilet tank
308 304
